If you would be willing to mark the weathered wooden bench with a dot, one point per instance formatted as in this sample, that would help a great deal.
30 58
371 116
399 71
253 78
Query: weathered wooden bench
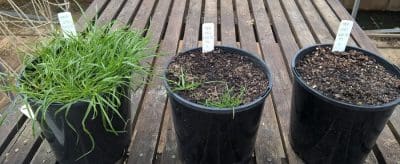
273 29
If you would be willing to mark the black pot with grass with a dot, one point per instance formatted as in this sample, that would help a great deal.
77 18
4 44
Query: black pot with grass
341 102
217 99
79 89
70 141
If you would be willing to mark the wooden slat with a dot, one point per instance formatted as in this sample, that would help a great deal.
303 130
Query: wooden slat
190 40
315 21
22 148
127 13
330 18
282 28
148 126
191 34
388 146
262 23
282 90
298 24
90 14
139 23
269 147
395 123
143 15
109 12
155 31
170 154
357 33
11 125
245 23
371 159
211 15
228 33
44 155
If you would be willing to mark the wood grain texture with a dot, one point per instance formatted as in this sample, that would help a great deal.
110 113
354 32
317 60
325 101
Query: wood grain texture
127 13
269 146
330 18
148 126
395 123
23 146
170 153
388 146
192 29
44 155
12 123
110 11
228 33
315 22
211 15
357 33
245 24
90 14
282 29
143 15
298 24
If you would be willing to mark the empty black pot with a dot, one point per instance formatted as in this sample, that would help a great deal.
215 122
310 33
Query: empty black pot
324 130
209 135
69 144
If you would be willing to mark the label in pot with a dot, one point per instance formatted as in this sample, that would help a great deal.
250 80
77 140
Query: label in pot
342 36
67 24
208 37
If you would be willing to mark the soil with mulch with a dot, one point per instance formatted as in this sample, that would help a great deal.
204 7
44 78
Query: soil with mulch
216 72
352 77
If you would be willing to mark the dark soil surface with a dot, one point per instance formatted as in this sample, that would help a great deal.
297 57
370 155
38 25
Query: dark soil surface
351 77
215 72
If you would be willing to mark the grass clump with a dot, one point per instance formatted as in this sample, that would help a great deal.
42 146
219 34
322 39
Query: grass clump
91 67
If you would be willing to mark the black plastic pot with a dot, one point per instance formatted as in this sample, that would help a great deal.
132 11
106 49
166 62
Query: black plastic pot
69 144
324 130
213 135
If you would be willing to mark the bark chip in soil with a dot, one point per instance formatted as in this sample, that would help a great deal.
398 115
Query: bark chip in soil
215 73
351 77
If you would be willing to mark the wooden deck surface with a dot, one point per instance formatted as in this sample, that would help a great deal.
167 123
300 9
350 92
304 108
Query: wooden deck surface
273 29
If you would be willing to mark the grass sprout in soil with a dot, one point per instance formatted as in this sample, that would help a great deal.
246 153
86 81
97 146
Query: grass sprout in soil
228 99
183 84
216 79
350 76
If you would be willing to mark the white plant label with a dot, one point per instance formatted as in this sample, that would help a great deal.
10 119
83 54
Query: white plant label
342 35
27 111
208 37
67 24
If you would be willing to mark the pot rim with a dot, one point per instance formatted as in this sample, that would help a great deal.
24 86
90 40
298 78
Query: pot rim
389 66
216 110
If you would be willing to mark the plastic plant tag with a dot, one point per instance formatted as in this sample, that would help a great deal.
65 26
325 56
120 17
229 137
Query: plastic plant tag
342 35
27 111
67 24
208 37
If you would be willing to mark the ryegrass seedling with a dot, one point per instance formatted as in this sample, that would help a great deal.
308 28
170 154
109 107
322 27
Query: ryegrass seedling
228 99
183 83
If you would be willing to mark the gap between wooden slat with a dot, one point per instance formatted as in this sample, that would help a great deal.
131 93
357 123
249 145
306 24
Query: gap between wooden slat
91 13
